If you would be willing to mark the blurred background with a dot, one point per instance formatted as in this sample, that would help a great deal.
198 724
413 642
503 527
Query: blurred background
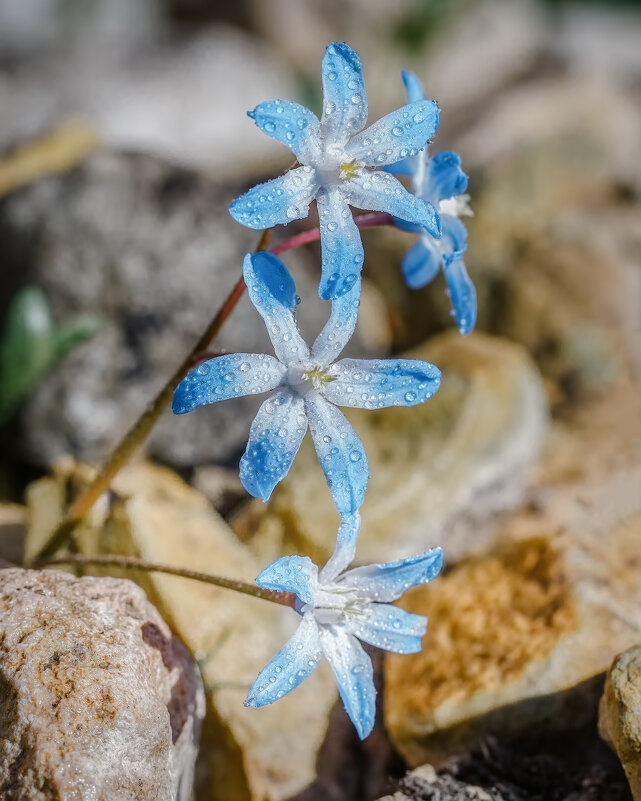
123 139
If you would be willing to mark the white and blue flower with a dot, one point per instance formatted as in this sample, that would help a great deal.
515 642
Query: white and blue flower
336 158
439 180
308 385
339 607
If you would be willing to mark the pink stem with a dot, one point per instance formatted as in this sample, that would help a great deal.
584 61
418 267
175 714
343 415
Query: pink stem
370 220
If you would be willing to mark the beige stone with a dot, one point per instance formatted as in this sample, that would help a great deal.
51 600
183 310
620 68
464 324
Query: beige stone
97 699
519 636
620 714
246 753
438 470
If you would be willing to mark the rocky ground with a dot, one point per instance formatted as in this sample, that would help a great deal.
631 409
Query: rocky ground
525 467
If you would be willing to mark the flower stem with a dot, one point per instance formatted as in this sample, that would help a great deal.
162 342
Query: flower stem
142 427
371 220
133 563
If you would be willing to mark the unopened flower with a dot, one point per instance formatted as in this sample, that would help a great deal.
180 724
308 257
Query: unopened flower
338 161
340 607
308 385
439 180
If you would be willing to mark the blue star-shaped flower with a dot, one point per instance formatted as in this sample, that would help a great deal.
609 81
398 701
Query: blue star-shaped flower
307 385
440 181
336 161
340 607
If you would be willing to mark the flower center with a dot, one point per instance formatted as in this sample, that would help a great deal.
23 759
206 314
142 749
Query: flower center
304 378
458 206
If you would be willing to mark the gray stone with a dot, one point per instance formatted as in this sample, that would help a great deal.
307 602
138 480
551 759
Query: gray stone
153 250
620 714
97 699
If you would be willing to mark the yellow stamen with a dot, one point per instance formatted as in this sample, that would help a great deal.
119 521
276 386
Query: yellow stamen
349 170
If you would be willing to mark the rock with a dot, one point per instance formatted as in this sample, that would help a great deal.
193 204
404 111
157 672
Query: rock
423 784
620 714
152 250
519 637
97 698
438 470
246 753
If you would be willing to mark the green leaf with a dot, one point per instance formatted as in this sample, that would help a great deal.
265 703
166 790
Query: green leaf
32 344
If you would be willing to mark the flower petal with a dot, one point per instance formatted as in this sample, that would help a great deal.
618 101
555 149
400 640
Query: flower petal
389 628
340 452
278 201
413 87
389 581
290 667
395 136
354 675
274 439
345 548
344 96
289 123
454 241
228 376
462 295
445 178
273 292
338 330
380 191
297 574
377 383
421 263
341 246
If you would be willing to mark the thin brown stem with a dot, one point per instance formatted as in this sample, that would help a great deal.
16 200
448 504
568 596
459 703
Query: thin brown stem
133 563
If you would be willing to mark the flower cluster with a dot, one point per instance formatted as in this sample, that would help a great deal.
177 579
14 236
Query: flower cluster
340 164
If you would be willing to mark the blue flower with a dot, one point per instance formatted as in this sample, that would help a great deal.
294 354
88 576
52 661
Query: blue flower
335 167
340 607
307 385
440 181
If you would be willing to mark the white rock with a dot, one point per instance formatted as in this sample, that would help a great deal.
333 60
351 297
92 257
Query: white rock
97 699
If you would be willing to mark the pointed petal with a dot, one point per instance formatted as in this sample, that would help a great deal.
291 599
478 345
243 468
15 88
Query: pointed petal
345 548
413 87
445 178
274 439
338 330
421 264
462 295
380 191
354 675
389 581
395 136
297 574
375 384
344 96
224 377
290 667
289 123
388 627
273 292
278 201
341 246
340 453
